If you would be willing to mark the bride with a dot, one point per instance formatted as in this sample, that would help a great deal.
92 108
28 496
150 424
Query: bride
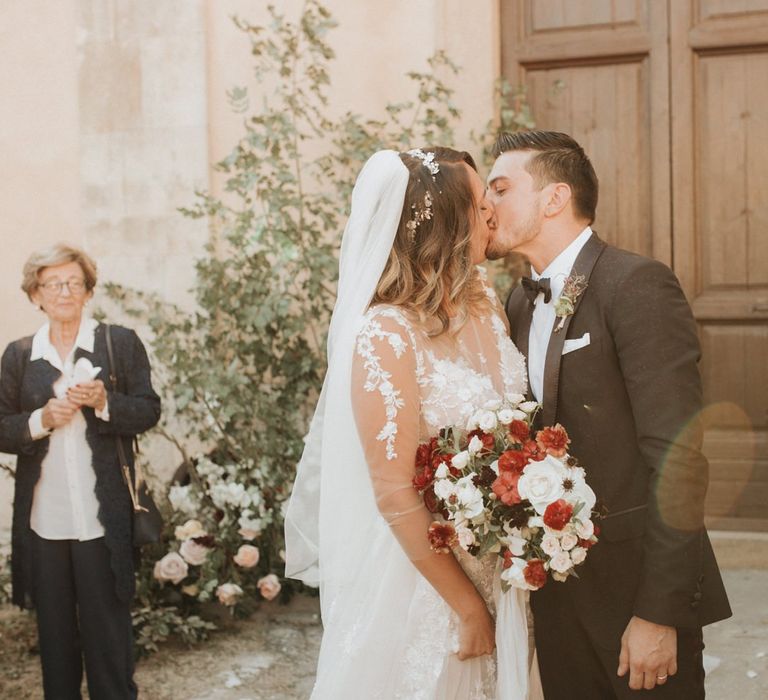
417 341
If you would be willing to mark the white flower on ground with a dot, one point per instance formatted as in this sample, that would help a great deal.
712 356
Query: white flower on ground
193 553
578 555
171 568
561 562
190 529
269 586
475 445
182 500
551 545
228 593
542 482
247 556
568 541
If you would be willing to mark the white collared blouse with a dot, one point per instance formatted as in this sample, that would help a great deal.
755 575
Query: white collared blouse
64 506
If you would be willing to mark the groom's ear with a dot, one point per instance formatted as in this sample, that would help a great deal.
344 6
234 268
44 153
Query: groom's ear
560 196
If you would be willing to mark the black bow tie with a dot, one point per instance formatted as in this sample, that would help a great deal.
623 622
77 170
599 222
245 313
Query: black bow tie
533 288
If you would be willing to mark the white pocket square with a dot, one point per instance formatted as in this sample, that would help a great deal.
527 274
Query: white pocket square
576 343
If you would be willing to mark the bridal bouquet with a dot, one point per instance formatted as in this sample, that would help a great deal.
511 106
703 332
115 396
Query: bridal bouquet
503 488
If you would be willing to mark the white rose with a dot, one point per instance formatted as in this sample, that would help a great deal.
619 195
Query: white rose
585 529
515 544
487 421
171 568
460 460
269 586
444 489
247 556
228 593
466 537
475 445
247 533
506 416
568 541
193 553
470 497
551 545
515 576
542 482
190 529
514 399
528 406
442 471
561 562
578 555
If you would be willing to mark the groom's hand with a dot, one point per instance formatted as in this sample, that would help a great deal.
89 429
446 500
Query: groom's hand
649 653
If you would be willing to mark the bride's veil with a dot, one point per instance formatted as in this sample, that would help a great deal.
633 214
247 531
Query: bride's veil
332 507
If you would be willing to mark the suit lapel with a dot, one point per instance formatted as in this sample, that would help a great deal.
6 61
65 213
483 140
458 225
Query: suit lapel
520 314
584 264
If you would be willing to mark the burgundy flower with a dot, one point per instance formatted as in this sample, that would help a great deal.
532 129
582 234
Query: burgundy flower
535 574
558 514
513 461
442 536
553 441
519 431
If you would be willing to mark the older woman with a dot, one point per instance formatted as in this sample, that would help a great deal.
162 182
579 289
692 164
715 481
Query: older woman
72 553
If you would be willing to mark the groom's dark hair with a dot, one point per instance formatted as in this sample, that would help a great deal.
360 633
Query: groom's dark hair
558 158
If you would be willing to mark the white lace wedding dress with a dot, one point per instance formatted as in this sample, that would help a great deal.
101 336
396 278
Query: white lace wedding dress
407 385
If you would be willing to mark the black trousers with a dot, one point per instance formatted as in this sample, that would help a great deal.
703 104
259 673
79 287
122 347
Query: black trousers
574 666
79 616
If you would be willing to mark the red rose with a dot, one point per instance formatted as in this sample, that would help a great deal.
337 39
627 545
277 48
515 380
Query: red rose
532 451
442 536
430 499
424 478
507 559
489 442
535 574
512 461
505 488
423 455
553 441
587 543
519 431
558 514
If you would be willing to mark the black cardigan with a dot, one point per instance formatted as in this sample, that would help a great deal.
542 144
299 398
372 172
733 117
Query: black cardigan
28 385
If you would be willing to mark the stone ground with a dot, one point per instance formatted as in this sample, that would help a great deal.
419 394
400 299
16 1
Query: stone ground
272 655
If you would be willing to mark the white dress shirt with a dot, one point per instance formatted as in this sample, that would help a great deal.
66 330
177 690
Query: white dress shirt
543 319
64 506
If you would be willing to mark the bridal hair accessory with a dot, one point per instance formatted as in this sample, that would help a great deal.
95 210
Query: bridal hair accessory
427 159
565 306
419 215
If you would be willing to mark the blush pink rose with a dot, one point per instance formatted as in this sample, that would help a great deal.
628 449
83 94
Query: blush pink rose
247 556
269 586
171 568
228 593
193 553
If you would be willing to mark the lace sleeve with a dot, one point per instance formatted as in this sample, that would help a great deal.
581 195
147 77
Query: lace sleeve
386 405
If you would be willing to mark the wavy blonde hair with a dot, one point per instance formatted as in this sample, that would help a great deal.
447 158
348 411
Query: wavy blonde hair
431 272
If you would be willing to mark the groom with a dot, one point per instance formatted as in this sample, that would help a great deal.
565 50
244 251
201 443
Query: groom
612 354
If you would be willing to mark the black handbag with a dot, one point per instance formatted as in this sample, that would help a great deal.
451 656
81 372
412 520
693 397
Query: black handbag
147 521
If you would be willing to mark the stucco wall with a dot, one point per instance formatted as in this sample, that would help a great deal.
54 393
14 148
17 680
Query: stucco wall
112 112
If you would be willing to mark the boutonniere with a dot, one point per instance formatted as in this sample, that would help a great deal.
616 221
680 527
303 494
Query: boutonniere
565 306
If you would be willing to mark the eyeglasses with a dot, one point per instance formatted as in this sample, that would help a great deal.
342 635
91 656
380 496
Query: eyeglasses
75 287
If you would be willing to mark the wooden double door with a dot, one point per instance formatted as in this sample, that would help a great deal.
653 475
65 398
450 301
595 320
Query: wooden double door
670 100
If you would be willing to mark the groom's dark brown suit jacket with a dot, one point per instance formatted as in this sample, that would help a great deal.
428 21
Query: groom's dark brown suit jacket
631 401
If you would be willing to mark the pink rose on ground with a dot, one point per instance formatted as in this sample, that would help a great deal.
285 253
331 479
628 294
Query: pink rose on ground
228 593
269 586
247 556
247 533
190 529
193 553
171 568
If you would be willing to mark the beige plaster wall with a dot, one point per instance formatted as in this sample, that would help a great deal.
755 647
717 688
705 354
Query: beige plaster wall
112 111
